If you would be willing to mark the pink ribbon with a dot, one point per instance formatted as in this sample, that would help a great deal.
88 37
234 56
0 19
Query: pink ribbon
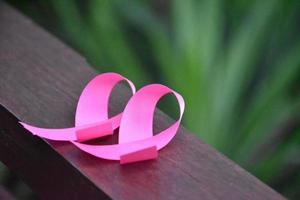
91 120
136 139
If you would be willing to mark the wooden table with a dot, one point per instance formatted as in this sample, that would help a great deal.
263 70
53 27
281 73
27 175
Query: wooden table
40 82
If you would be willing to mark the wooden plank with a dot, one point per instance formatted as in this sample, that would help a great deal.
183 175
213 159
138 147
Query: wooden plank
40 82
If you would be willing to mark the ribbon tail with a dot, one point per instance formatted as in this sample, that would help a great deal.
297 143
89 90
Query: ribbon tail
64 134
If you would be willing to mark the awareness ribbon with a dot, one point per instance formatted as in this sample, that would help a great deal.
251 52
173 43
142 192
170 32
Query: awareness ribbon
136 139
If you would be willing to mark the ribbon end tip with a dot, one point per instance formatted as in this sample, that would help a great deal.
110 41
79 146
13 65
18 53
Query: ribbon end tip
147 153
22 123
93 131
27 127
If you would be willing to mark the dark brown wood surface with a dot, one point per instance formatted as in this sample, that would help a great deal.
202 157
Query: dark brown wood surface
40 82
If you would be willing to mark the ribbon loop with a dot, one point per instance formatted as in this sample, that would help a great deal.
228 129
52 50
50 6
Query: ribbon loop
91 120
136 139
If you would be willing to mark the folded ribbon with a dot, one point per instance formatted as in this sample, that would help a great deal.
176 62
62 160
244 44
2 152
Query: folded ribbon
136 139
91 119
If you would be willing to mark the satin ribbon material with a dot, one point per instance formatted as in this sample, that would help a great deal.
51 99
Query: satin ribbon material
91 119
137 141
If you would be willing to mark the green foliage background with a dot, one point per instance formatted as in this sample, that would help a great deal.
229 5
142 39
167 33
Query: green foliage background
237 63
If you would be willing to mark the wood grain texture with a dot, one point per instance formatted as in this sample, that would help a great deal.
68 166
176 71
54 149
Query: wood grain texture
40 82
